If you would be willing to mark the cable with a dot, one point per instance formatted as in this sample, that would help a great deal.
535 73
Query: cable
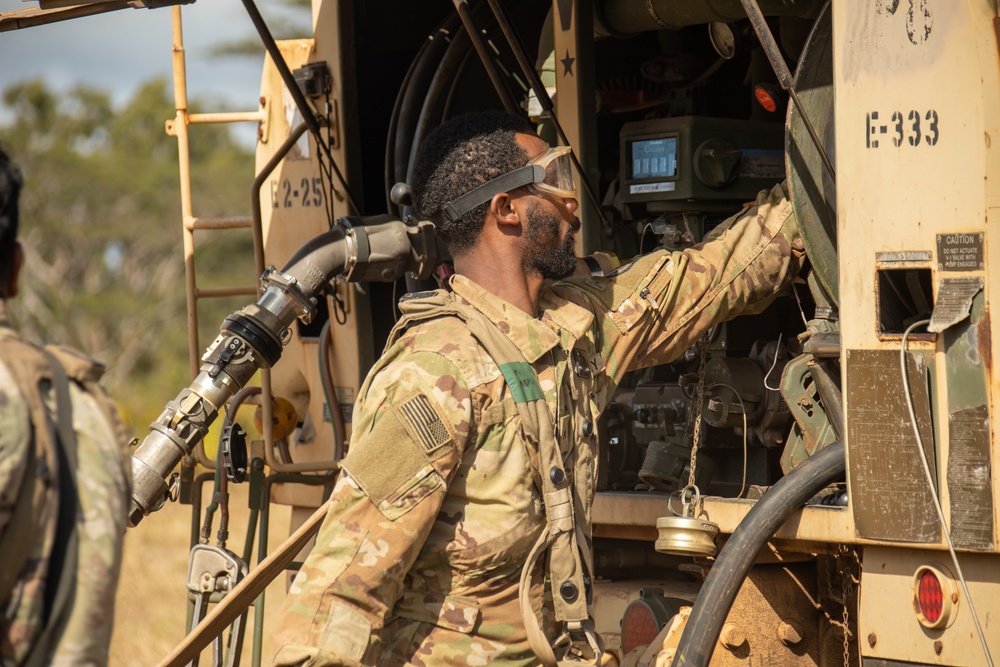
325 174
743 407
297 96
930 485
798 302
330 393
535 81
642 236
777 349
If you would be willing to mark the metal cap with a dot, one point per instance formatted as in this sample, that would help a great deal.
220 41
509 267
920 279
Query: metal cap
683 536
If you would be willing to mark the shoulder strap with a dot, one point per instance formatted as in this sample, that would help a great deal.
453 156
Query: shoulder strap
63 562
14 549
55 446
562 537
28 368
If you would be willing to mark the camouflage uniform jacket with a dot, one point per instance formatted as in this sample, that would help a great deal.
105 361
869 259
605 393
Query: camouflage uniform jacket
102 482
419 559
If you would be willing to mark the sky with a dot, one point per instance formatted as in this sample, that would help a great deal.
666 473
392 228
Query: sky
118 51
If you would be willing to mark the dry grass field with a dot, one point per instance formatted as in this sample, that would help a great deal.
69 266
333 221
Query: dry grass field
151 602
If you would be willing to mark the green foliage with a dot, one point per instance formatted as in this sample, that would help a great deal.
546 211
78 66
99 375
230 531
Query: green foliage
101 227
286 19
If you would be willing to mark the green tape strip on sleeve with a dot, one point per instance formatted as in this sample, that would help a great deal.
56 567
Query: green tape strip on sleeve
523 382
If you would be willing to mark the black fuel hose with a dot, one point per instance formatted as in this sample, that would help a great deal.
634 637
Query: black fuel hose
730 569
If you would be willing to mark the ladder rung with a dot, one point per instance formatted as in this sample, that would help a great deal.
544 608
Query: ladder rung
231 222
215 292
226 117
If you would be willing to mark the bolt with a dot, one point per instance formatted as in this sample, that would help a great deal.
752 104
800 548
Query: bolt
954 598
732 637
789 633
938 647
872 639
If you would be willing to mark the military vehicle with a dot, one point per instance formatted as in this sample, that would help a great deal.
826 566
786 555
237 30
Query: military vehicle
808 486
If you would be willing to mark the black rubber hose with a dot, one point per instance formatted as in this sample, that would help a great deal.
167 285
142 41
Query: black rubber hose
409 101
730 569
445 78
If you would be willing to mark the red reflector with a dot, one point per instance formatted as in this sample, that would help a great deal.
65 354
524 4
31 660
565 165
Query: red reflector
930 596
639 626
765 99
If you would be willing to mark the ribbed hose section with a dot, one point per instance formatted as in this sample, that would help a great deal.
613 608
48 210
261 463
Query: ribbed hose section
730 569
319 260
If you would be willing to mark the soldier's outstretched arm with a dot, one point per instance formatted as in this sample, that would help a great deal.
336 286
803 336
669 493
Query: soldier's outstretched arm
411 426
661 304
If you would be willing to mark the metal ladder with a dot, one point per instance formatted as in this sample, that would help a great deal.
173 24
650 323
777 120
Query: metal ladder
178 127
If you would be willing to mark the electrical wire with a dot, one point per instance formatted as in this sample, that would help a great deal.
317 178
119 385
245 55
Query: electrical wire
220 496
642 236
326 175
777 349
798 302
930 485
330 393
743 407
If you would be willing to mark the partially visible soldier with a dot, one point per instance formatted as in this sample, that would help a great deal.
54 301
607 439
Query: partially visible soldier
459 532
64 486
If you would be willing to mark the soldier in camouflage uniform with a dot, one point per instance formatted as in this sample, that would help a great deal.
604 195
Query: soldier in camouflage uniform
432 552
63 507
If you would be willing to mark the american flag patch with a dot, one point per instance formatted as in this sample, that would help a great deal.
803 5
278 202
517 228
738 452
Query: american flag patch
424 422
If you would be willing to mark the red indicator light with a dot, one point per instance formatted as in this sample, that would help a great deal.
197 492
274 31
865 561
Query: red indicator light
765 98
639 626
930 596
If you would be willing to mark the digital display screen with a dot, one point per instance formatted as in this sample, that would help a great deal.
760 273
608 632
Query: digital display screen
654 158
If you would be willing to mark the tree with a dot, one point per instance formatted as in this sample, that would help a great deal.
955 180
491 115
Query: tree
286 19
100 222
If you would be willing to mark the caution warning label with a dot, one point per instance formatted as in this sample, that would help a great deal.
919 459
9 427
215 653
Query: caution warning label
960 252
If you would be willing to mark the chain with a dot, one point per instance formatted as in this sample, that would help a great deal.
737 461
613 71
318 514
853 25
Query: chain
703 344
845 590
847 560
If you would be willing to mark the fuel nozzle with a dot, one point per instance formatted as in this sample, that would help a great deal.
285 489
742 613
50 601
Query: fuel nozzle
374 249
250 339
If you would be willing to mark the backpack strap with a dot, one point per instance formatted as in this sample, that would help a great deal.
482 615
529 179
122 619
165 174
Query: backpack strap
54 446
29 507
65 549
28 368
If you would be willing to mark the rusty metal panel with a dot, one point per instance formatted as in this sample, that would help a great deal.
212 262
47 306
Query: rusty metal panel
969 478
776 622
954 301
888 489
967 360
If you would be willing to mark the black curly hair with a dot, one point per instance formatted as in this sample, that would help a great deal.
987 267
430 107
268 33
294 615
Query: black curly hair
463 153
10 189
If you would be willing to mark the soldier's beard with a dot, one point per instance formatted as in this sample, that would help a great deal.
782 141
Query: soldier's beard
547 256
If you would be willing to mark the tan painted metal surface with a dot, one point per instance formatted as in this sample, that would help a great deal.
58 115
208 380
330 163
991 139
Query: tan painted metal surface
917 114
889 626
293 208
813 524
